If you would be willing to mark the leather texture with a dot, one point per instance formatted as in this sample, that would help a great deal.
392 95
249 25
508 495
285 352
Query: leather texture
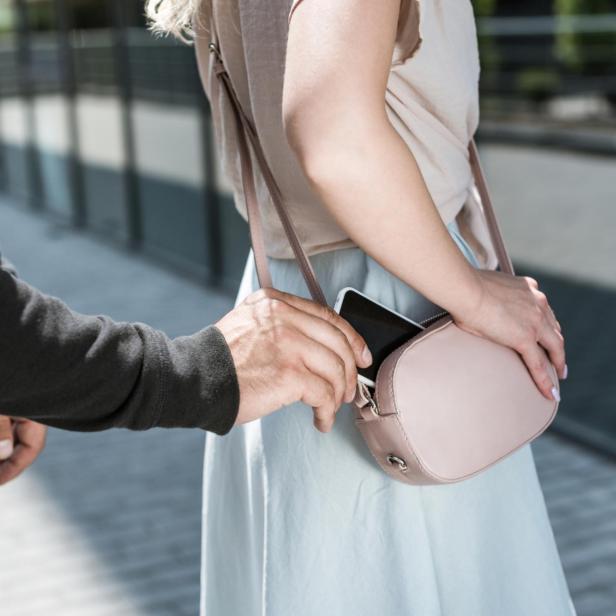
462 403
448 404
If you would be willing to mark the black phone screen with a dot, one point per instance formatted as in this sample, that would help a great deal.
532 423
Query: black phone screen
383 330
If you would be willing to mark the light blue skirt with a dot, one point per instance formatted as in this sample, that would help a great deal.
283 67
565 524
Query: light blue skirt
300 523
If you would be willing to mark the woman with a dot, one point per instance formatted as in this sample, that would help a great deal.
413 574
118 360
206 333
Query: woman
297 523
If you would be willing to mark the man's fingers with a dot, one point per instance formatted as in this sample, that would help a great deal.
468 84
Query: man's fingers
29 442
20 460
320 395
7 472
332 338
6 437
327 364
323 418
358 344
31 435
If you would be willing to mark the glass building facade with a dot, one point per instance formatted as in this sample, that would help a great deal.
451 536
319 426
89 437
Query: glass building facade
107 127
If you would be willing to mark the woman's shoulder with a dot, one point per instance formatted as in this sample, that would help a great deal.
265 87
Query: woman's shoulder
425 22
408 33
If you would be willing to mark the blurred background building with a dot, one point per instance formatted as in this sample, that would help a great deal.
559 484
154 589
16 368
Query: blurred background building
105 127
105 130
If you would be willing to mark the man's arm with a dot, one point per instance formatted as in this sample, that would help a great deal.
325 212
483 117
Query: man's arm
88 373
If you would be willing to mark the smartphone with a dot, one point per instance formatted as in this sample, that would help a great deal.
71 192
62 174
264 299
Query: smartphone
383 329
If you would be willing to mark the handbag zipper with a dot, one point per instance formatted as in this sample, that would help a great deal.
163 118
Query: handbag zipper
434 317
370 401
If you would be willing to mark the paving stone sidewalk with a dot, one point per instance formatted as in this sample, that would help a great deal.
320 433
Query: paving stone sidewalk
108 524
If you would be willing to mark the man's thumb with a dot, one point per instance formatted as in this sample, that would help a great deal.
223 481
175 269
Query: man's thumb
6 438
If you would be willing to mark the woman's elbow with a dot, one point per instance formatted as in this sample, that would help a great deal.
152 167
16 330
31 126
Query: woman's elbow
327 145
313 119
305 139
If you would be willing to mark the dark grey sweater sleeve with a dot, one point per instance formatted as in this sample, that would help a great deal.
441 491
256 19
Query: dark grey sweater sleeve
88 373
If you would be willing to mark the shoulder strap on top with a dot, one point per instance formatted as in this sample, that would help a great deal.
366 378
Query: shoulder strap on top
246 130
496 236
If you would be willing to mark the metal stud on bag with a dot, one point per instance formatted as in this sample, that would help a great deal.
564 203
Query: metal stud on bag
392 459
369 399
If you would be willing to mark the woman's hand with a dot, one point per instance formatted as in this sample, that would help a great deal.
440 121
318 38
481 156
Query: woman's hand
512 311
21 442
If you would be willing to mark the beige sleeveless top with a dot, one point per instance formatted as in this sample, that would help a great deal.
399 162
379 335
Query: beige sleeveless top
431 100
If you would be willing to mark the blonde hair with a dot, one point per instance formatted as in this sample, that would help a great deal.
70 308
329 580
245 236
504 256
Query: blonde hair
173 17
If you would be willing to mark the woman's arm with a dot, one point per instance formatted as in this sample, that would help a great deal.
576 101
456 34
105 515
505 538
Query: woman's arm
337 65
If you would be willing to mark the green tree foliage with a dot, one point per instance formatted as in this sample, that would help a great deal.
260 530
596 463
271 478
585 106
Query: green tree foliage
490 57
592 53
6 16
484 8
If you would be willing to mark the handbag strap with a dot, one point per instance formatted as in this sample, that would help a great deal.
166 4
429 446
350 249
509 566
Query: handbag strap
245 130
504 261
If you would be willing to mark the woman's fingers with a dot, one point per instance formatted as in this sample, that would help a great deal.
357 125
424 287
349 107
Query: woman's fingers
550 336
553 320
514 312
536 360
6 437
547 309
547 345
553 343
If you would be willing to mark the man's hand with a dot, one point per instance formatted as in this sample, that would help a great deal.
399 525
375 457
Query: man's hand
286 349
21 441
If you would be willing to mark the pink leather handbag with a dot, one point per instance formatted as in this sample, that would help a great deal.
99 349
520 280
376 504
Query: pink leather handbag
448 404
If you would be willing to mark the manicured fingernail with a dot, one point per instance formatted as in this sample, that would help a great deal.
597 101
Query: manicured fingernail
366 356
555 394
6 449
565 372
